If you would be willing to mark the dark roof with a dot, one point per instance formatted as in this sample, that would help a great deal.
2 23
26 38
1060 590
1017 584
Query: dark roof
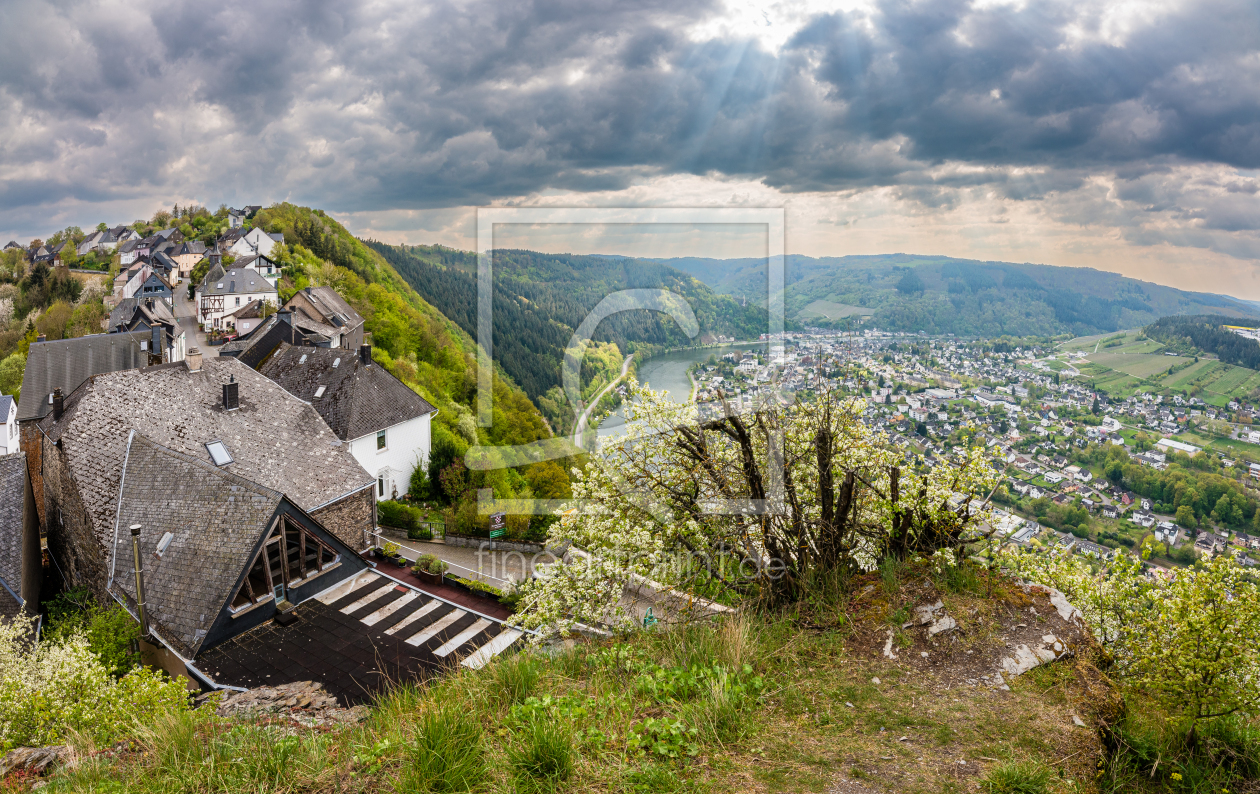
358 399
333 309
217 520
275 439
151 311
11 244
66 363
249 310
233 280
164 260
12 505
5 402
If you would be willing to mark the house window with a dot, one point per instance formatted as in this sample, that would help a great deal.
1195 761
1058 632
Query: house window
380 440
380 487
238 301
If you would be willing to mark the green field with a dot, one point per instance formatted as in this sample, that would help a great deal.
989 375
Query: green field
1142 365
1088 342
831 311
1203 369
1124 370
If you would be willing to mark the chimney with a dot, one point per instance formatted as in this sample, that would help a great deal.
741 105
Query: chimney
155 345
192 359
231 394
59 404
135 555
41 338
365 355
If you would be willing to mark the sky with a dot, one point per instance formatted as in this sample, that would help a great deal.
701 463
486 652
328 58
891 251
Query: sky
1123 136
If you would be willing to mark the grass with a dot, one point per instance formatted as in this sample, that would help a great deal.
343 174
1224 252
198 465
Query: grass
770 702
1017 777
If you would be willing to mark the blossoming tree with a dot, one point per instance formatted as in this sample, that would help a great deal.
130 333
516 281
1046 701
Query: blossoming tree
702 497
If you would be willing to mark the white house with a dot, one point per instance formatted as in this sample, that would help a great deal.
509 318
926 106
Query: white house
386 424
262 264
254 242
9 440
223 291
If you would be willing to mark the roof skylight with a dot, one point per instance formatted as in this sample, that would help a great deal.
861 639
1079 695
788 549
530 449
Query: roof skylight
302 360
219 453
336 363
165 543
320 391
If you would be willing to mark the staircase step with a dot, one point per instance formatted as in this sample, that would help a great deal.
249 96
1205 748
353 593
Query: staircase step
463 637
482 656
436 628
414 616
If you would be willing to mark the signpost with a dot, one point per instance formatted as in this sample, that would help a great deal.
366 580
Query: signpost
498 525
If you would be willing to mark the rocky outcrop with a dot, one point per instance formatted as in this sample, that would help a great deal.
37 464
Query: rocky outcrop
303 702
33 760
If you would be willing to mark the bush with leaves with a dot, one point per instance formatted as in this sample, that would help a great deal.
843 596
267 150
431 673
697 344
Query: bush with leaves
1192 641
59 685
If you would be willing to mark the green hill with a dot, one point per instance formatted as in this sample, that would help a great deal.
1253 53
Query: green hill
413 339
540 299
939 294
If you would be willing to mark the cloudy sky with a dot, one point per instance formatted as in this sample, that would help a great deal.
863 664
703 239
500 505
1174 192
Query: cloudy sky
1120 135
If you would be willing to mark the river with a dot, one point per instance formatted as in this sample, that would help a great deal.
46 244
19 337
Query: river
668 371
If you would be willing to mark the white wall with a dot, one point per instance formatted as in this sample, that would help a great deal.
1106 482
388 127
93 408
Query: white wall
403 443
11 442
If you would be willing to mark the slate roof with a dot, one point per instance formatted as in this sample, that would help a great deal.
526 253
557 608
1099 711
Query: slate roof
357 400
217 520
66 363
12 502
127 308
253 309
275 439
5 402
332 307
234 280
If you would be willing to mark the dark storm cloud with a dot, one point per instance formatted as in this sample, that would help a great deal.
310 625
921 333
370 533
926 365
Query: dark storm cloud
370 106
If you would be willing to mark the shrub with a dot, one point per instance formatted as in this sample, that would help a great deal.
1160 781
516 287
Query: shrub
447 754
431 564
417 533
109 631
60 686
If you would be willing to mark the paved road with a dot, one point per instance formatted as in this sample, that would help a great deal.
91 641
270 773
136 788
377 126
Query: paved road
186 313
580 427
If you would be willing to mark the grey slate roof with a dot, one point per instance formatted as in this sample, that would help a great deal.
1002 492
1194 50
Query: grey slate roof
5 402
275 439
127 308
217 520
357 400
333 307
234 280
66 363
12 502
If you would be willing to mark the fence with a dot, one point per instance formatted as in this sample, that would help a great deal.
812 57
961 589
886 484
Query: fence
380 540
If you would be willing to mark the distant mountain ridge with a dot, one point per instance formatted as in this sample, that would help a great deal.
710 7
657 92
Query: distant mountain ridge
940 294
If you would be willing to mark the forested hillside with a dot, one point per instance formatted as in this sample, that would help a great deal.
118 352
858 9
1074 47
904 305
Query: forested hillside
539 299
1206 334
940 294
417 343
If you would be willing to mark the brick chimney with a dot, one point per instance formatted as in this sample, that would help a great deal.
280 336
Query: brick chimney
192 359
59 404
